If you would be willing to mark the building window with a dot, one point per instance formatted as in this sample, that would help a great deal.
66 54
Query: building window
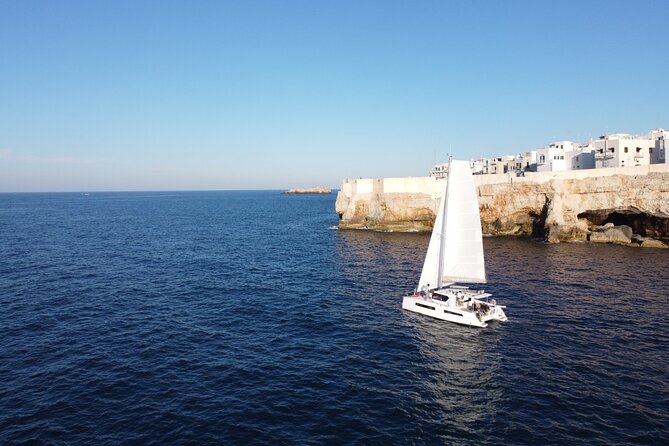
650 150
625 149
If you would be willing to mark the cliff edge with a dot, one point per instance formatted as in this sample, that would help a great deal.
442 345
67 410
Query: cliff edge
624 205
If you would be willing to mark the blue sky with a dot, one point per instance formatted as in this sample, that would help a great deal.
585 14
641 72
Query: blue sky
182 95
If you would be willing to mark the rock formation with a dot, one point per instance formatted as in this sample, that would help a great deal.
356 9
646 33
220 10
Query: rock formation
625 209
609 233
310 190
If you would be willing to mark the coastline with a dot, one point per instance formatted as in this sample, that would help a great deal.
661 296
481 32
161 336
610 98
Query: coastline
628 206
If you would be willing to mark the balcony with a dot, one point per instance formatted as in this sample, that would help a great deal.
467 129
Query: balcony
604 156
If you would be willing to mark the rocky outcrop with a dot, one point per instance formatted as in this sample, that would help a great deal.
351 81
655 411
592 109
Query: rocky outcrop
610 233
310 190
556 209
646 242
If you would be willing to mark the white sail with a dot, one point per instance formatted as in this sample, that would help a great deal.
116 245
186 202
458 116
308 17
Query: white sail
429 278
463 241
456 246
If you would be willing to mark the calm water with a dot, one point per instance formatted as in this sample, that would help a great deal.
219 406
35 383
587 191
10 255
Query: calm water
244 317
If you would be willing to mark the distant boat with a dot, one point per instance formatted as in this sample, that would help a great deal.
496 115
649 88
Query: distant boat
455 255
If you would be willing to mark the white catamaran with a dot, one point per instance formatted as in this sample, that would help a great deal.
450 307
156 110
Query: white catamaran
455 255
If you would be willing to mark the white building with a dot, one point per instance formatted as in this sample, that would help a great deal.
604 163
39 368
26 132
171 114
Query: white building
552 157
583 157
479 166
482 166
501 164
659 154
615 150
527 161
623 150
439 170
491 166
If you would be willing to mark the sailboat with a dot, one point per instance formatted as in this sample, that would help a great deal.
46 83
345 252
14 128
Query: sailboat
455 257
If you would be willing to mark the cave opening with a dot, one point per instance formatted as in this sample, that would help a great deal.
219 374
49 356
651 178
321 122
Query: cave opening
642 223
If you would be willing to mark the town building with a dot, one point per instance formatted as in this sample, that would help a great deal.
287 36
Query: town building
527 161
583 157
501 164
439 170
479 166
623 150
552 157
659 154
614 150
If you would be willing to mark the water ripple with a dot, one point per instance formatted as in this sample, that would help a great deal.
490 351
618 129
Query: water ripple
210 318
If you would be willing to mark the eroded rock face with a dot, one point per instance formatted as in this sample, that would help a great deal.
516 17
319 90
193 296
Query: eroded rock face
387 212
557 210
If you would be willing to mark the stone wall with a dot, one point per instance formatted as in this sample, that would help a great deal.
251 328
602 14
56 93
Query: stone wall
558 206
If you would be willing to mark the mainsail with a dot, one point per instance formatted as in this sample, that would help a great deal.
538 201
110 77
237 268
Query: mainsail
455 252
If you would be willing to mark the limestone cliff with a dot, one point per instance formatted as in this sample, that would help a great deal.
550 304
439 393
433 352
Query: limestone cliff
557 207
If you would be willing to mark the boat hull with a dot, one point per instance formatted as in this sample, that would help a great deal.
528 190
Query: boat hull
446 311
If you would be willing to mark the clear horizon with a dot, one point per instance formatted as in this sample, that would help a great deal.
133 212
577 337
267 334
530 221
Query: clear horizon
140 191
269 95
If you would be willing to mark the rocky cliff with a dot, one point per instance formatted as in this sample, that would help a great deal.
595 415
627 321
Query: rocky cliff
626 208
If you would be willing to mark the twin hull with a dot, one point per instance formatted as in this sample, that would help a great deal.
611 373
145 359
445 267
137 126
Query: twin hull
445 311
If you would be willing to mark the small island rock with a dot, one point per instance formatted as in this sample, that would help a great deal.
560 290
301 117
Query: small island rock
309 190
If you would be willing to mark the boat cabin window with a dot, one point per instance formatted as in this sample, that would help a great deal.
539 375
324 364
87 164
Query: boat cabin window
453 313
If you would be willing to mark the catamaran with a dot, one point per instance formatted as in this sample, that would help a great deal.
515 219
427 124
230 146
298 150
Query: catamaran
455 256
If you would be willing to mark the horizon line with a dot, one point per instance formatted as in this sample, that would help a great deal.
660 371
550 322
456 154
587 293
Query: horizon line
91 191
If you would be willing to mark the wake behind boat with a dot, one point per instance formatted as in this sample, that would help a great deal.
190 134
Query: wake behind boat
455 255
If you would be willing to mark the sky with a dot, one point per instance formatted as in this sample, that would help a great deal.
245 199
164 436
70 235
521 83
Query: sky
199 95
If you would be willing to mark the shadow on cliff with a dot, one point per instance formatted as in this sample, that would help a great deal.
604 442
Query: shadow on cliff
642 223
539 225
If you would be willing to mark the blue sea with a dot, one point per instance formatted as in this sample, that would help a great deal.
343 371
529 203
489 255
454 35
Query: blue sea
248 318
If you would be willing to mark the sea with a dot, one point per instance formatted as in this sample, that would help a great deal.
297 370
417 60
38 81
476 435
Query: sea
247 317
